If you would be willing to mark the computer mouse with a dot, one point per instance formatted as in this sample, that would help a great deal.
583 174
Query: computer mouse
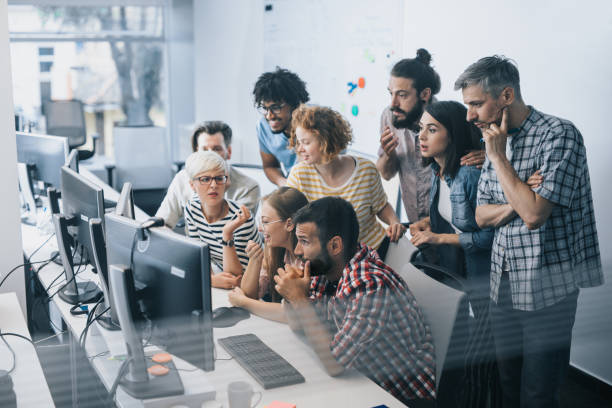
228 316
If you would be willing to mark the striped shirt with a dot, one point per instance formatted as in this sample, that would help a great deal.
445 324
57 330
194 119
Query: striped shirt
377 327
551 262
363 190
212 234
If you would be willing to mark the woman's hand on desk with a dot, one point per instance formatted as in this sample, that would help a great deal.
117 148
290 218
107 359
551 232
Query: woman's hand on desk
225 280
237 297
395 231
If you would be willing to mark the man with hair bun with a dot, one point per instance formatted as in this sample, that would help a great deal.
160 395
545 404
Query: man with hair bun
412 85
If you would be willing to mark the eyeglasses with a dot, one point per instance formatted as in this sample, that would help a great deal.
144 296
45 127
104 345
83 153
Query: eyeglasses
275 109
264 223
206 180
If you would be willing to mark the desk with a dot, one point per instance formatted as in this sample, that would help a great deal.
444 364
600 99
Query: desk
351 389
29 382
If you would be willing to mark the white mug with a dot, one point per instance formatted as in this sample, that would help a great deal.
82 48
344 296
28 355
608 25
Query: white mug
240 394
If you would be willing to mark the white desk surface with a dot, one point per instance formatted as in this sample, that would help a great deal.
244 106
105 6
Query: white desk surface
29 381
349 390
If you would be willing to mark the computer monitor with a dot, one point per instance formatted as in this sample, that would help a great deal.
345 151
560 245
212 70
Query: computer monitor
73 160
44 155
125 203
82 200
172 275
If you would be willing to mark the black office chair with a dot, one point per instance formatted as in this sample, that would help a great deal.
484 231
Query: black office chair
67 118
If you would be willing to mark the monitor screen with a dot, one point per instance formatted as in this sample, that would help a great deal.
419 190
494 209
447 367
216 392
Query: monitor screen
172 276
47 153
82 200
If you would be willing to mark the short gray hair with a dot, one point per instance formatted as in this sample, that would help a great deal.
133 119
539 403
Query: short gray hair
205 161
492 74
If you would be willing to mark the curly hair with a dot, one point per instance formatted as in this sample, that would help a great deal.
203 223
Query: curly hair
280 85
333 132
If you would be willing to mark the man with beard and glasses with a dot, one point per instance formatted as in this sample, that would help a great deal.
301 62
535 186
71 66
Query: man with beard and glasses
412 85
355 311
276 95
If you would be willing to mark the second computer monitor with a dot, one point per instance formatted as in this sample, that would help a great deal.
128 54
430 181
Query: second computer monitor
172 276
47 153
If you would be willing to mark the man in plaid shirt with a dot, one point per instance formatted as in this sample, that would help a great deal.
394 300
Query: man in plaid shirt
356 311
545 246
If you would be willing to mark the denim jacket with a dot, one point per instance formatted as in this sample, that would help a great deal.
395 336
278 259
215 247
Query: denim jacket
475 242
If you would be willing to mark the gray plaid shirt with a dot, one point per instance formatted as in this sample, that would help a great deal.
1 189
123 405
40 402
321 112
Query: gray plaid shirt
546 264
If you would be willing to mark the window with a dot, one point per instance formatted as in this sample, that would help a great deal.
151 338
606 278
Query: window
109 57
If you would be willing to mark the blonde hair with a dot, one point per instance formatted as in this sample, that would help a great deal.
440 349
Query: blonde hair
205 161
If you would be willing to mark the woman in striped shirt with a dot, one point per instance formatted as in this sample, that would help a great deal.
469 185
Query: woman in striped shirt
224 225
319 135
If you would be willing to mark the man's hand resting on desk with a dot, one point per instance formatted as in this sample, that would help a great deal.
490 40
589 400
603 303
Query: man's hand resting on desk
225 280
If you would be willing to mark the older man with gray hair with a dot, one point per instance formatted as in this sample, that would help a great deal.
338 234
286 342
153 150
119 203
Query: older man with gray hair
545 246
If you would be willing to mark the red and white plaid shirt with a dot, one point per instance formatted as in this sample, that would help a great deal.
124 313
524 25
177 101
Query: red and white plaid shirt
377 326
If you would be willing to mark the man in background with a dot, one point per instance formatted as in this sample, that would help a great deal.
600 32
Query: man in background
545 246
215 136
276 95
412 85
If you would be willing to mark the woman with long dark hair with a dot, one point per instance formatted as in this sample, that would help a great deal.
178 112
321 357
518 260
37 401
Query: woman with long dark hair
462 246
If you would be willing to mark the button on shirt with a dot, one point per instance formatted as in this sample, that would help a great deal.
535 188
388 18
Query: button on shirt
548 263
377 326
415 179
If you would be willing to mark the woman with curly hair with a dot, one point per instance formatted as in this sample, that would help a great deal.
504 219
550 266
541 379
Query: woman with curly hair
319 135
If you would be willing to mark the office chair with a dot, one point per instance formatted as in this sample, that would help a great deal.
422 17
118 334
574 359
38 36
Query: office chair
142 158
67 118
444 304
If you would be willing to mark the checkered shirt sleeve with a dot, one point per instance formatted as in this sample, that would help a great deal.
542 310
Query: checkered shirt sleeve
548 263
380 330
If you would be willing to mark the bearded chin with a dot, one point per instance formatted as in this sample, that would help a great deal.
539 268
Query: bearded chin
411 118
320 265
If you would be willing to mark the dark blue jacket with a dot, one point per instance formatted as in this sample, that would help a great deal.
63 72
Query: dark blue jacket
475 242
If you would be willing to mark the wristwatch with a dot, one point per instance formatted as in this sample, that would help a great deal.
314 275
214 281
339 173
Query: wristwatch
229 243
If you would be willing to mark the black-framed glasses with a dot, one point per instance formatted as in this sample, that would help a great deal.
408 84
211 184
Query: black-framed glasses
206 180
275 109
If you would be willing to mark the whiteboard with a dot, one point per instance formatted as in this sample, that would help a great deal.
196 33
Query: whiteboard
343 50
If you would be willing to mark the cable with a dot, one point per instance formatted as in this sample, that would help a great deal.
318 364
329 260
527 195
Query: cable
41 245
11 349
24 264
122 371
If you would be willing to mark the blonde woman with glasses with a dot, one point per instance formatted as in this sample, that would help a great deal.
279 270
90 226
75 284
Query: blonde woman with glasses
223 224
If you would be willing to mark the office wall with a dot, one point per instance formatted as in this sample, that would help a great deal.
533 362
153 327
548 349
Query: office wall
564 55
228 40
11 252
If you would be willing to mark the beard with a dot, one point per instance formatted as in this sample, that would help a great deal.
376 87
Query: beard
321 264
410 118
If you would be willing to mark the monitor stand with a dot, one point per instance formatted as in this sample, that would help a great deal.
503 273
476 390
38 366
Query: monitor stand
138 382
28 217
73 292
